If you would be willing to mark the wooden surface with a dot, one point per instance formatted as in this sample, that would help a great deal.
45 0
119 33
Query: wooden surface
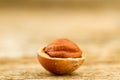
31 69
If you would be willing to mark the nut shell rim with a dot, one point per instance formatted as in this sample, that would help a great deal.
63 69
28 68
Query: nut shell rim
48 57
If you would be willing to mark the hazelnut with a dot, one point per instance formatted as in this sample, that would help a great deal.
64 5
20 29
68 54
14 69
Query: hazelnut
63 48
60 56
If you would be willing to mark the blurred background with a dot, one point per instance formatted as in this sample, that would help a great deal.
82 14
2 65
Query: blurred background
27 25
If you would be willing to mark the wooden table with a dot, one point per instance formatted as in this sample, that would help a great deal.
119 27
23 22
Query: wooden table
31 69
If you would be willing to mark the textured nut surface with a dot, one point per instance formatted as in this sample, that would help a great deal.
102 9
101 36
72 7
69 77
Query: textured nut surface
63 48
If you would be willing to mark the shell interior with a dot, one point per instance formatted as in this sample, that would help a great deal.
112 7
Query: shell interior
43 54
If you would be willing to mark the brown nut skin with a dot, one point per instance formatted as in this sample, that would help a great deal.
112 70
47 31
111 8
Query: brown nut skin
63 48
58 65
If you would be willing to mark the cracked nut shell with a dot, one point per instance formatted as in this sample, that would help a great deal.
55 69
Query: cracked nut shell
58 65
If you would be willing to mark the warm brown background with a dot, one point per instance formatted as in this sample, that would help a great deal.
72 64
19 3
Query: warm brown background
25 26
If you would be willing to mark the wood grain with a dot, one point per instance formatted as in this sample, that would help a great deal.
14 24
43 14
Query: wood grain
31 69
